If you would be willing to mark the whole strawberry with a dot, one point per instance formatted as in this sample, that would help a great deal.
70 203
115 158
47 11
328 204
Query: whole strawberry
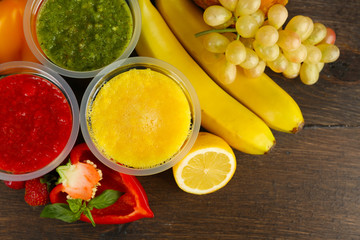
15 185
36 193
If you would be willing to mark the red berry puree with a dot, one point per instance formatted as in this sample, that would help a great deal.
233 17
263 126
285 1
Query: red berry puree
35 123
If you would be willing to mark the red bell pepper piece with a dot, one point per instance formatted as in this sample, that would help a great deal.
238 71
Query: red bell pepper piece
131 206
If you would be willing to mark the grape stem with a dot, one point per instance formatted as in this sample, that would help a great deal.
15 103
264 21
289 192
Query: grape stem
215 30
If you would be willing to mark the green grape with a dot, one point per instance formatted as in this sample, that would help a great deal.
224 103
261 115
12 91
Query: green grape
259 16
246 7
301 25
320 66
229 4
256 71
310 29
235 52
215 42
292 70
279 64
246 26
248 42
266 53
227 73
277 15
330 52
251 59
216 15
309 73
299 55
267 36
313 54
289 40
317 35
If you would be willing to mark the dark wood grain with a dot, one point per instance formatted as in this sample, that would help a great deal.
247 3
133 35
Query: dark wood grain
308 187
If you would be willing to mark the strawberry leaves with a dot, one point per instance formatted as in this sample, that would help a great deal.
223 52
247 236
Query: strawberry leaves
72 211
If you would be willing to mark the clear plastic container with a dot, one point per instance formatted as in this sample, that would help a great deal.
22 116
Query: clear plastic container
140 63
54 78
29 22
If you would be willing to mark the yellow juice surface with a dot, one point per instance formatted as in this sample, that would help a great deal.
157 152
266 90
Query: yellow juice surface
140 118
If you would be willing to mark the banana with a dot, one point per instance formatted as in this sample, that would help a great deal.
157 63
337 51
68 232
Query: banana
220 113
261 95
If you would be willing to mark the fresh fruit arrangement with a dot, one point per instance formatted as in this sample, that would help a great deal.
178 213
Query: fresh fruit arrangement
249 38
85 189
176 30
221 114
130 205
261 95
223 49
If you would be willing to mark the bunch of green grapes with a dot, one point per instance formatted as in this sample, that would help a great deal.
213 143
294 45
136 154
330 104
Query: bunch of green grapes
250 41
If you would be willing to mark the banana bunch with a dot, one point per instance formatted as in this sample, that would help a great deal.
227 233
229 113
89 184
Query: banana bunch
262 95
222 114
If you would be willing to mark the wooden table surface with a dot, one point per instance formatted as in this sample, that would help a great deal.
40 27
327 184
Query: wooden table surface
308 187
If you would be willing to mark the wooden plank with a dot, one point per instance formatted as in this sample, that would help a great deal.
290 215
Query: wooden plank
308 187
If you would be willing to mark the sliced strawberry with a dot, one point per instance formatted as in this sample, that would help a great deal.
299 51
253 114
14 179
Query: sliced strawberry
36 193
131 206
79 180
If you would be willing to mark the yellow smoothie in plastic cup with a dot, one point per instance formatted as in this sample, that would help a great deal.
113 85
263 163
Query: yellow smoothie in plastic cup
140 118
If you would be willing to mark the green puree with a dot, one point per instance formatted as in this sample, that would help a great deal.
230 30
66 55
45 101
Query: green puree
84 35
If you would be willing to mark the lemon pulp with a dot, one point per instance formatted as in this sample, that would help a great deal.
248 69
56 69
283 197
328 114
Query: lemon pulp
208 167
140 118
206 170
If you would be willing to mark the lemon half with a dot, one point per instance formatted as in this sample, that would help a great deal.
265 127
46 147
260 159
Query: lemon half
208 166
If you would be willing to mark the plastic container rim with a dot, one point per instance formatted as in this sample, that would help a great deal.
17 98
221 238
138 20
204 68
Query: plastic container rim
31 4
131 63
57 80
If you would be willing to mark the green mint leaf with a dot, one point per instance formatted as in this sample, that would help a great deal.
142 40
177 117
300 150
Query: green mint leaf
87 213
105 199
60 211
74 204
